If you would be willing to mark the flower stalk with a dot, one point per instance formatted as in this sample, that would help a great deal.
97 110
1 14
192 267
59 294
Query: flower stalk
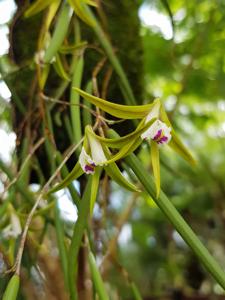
178 222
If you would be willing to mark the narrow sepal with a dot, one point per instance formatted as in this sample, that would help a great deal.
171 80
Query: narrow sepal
74 174
117 110
37 7
155 166
95 187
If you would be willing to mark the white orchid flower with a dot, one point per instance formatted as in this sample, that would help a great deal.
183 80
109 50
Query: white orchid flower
97 158
158 131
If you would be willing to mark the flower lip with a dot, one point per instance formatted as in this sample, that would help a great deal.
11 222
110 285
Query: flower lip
86 163
158 132
90 169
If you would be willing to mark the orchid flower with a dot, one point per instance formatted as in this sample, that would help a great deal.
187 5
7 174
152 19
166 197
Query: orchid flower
159 133
94 157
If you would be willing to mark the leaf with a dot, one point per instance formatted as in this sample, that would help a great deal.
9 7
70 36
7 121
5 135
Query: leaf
91 2
75 100
136 292
78 232
59 68
37 7
97 279
59 34
12 288
44 76
74 174
72 48
94 187
117 110
155 165
51 13
60 235
81 10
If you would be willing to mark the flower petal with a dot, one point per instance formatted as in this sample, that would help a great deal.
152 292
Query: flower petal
97 152
86 163
94 187
155 165
122 141
159 132
117 110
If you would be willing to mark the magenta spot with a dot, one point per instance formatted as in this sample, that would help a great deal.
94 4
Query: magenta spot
158 134
89 168
163 139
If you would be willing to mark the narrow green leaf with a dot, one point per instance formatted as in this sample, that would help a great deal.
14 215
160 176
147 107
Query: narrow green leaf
95 187
117 110
64 171
61 244
81 11
91 2
78 232
59 68
75 100
97 279
59 34
155 165
51 13
37 7
136 293
12 288
44 76
87 119
74 174
70 49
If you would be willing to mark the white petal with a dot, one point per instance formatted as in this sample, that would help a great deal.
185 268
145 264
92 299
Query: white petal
84 160
154 113
97 153
153 130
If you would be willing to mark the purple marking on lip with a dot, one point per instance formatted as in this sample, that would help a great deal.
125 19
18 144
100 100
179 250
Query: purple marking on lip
163 139
158 134
89 168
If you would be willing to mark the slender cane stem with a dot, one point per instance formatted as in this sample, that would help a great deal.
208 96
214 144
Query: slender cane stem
176 219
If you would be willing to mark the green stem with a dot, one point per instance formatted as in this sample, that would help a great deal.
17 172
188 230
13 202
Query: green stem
61 244
73 192
59 33
176 219
85 113
78 232
75 100
97 279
